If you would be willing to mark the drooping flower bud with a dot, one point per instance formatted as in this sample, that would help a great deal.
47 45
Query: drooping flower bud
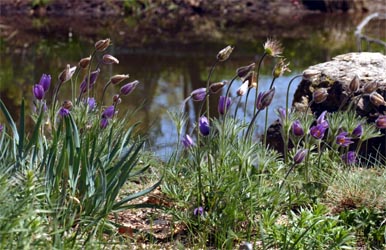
243 89
244 71
300 156
280 68
101 45
223 104
358 131
297 128
370 87
198 95
64 112
187 141
38 91
310 74
84 62
67 73
273 48
45 82
217 86
320 95
354 84
118 78
129 87
203 124
104 123
108 112
224 53
380 122
377 99
264 99
93 77
109 59
67 104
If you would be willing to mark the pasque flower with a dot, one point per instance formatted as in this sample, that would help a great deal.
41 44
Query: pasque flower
1 128
297 128
273 48
223 104
300 155
45 82
320 95
264 99
217 86
380 122
343 140
198 94
203 124
318 131
67 73
245 70
104 122
187 141
108 112
224 53
64 112
198 211
349 158
109 59
321 120
129 87
93 78
358 131
280 68
101 45
242 90
38 91
91 103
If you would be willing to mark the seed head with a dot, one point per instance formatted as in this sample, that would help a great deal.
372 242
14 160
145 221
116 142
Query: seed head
273 48
280 68
225 53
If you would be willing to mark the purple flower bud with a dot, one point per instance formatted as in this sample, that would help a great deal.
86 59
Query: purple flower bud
91 103
320 95
198 95
300 155
282 114
343 140
104 122
264 99
129 87
38 91
318 131
187 141
64 112
93 78
380 122
223 104
198 211
1 128
349 158
45 82
358 131
297 128
203 124
108 112
109 59
321 120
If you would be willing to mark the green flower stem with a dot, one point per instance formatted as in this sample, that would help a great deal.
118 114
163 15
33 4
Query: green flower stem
207 87
104 91
257 80
266 115
251 123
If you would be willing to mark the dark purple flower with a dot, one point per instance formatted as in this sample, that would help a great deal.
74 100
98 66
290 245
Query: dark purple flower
297 128
108 112
380 122
93 78
358 131
91 103
198 95
187 141
38 91
264 99
318 131
104 122
203 124
223 105
300 155
64 112
45 82
129 87
198 211
343 140
349 158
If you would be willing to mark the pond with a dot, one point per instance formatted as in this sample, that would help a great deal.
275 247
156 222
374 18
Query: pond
168 65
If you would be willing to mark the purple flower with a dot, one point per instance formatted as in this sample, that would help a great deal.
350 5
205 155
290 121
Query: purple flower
198 95
297 128
282 114
129 87
38 91
45 82
93 78
64 112
203 124
321 120
198 211
349 158
104 122
91 103
264 99
223 105
343 140
300 155
358 131
1 128
108 112
380 122
187 141
318 131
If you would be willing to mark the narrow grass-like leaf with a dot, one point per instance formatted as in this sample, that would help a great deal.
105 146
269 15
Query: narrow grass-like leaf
75 131
9 120
21 130
36 131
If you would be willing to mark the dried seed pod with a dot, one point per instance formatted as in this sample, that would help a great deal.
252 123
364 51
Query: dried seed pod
354 84
84 62
377 99
118 78
370 87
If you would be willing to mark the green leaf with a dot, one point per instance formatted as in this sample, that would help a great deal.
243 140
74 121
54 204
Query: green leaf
9 120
